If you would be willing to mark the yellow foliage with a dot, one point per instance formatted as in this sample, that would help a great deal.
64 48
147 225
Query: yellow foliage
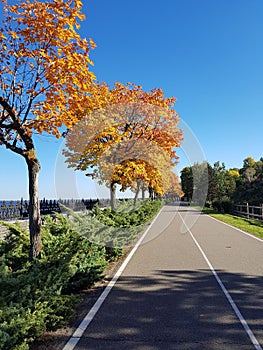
53 61
132 137
234 173
125 132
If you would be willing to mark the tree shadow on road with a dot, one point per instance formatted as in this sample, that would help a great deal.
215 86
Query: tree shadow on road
177 310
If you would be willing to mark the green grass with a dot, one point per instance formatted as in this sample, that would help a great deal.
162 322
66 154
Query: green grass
248 225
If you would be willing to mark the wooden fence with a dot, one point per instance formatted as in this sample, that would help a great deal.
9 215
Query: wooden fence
249 211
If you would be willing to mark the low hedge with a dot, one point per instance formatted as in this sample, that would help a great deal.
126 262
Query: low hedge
137 216
40 296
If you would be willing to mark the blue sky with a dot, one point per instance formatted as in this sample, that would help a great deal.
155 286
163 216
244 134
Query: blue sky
207 53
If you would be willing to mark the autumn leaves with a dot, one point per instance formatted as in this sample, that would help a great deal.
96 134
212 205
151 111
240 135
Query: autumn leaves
131 141
45 82
45 66
128 136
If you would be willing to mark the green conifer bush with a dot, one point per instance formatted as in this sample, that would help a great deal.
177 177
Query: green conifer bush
41 295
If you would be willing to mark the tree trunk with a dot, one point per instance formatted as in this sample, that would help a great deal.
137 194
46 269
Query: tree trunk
137 192
34 211
143 192
151 193
113 195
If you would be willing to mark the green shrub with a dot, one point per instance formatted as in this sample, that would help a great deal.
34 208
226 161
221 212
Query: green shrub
19 326
15 246
116 229
38 296
136 217
224 205
208 204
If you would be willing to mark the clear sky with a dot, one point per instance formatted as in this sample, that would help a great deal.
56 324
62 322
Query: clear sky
207 53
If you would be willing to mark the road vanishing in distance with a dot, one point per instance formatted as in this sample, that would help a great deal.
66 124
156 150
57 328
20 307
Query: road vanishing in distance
193 283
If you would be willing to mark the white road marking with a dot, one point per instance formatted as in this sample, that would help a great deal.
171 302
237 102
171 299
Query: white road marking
248 330
72 342
237 229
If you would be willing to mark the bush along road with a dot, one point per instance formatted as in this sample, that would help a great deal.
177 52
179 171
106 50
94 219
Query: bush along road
40 296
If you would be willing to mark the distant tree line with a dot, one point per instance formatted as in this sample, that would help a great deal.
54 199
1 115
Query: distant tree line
223 187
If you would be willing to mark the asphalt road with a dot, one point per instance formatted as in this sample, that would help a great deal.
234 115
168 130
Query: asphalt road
193 283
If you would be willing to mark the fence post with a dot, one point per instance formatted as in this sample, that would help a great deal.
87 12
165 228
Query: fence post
247 211
262 212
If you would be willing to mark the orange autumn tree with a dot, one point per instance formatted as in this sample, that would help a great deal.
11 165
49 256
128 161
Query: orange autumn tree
139 175
173 188
136 163
117 141
45 80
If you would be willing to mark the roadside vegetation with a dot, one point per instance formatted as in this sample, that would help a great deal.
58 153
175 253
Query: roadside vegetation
220 188
76 250
119 135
